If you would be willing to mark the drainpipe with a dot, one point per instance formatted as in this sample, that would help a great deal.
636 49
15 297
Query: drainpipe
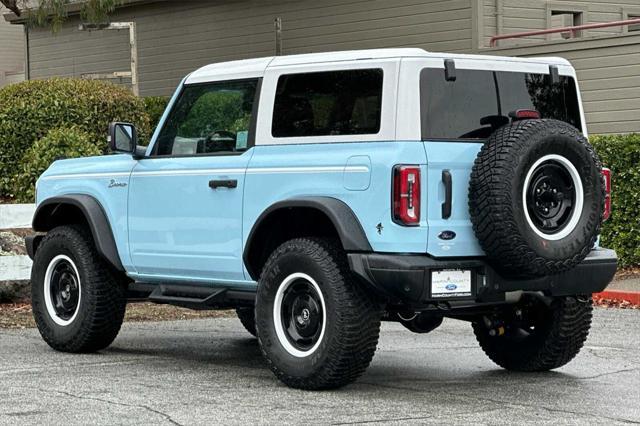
278 27
499 17
27 61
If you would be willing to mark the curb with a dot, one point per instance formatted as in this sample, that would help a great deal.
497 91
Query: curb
632 297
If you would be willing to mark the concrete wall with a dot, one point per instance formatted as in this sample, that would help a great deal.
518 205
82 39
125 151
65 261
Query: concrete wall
609 74
178 37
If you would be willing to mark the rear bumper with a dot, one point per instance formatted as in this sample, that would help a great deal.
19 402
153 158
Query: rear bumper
407 278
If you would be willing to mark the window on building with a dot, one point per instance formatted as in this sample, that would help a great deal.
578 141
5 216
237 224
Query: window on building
566 18
328 104
634 27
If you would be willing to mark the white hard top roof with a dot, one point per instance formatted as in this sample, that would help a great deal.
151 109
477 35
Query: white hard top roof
248 68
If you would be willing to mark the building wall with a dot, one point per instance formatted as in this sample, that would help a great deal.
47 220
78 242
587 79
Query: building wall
11 52
175 38
607 60
609 75
512 16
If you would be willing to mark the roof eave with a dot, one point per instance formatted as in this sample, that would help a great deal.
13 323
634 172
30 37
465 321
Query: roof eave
72 9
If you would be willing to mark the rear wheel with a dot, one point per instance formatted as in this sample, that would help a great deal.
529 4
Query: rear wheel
534 336
78 300
248 319
317 328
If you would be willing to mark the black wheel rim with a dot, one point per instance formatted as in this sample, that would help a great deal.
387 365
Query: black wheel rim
302 314
64 290
551 197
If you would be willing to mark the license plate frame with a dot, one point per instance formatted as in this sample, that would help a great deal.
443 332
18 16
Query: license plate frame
452 284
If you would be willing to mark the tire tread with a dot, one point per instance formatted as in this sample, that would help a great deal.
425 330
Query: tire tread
358 322
570 325
491 206
104 305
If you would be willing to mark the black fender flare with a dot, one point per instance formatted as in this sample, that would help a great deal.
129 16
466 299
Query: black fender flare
46 218
344 220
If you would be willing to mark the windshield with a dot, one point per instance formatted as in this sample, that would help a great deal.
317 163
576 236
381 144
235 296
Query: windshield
478 102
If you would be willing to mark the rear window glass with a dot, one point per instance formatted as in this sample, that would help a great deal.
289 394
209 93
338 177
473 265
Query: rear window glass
478 102
328 104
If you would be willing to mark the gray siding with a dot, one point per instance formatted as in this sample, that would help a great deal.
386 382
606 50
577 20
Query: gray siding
72 53
609 76
11 51
512 16
177 37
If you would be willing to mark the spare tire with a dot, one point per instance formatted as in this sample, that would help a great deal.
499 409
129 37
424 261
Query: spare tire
536 198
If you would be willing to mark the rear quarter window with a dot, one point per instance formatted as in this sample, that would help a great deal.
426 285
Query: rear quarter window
328 104
478 102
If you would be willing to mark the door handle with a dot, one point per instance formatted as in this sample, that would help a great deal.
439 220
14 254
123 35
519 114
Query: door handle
223 183
448 194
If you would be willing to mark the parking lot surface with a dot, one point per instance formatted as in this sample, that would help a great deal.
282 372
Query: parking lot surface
211 371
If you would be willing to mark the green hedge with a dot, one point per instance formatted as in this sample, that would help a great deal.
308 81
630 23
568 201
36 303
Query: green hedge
621 153
69 142
155 106
29 110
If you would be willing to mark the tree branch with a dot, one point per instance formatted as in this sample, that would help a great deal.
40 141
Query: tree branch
12 5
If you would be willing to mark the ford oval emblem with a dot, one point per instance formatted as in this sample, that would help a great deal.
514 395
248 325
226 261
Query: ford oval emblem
451 287
447 235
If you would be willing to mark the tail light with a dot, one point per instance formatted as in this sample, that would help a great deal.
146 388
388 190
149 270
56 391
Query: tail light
606 173
406 195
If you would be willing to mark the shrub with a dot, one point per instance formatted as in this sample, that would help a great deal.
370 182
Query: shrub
621 153
226 109
29 110
155 106
59 143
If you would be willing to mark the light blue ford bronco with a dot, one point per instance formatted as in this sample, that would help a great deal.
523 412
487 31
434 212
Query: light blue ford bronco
321 194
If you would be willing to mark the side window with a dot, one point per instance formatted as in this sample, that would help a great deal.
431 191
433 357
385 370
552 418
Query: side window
209 119
328 104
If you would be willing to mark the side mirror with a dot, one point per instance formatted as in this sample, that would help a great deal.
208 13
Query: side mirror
123 137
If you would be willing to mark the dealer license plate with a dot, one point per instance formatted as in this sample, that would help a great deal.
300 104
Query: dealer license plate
450 283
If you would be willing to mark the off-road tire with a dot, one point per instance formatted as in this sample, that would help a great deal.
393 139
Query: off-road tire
103 293
557 343
499 215
352 317
248 319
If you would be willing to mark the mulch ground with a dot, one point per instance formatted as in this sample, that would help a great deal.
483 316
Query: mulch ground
628 273
12 241
18 315
614 303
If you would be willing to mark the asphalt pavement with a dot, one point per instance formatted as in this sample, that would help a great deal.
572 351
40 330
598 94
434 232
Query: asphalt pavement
211 371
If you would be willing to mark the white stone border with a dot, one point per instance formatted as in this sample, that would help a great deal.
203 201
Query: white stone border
15 216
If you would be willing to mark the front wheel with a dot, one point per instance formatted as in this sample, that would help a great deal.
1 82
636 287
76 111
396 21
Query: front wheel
78 301
534 335
317 328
